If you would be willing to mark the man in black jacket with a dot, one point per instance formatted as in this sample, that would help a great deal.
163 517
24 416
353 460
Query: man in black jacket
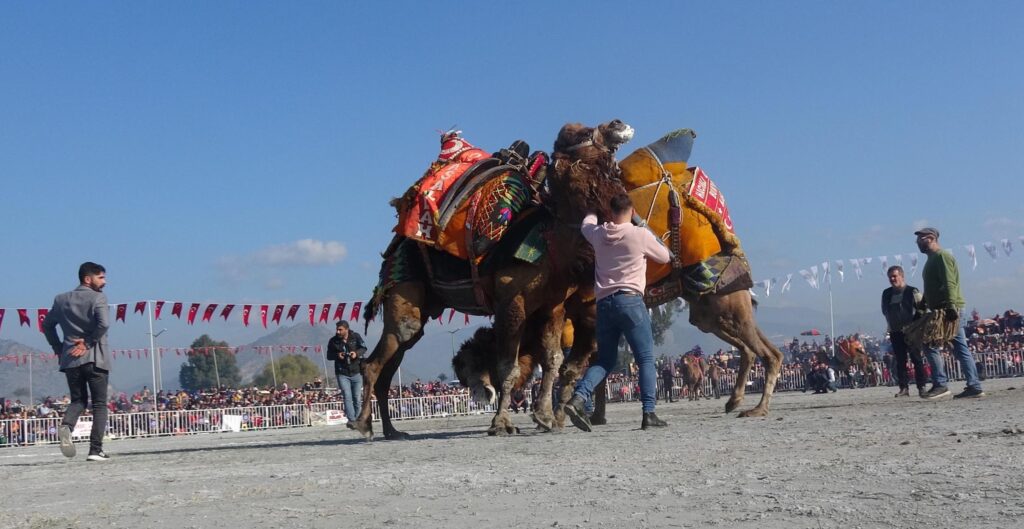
899 306
347 348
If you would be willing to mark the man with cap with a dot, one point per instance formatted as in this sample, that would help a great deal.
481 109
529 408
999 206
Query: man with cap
347 348
941 278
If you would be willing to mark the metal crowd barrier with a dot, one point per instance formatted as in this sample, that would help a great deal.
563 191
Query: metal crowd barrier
15 432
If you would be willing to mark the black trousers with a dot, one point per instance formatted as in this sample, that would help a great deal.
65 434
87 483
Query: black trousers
900 351
85 383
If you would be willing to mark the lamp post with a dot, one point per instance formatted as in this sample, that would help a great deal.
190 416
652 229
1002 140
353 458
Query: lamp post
452 333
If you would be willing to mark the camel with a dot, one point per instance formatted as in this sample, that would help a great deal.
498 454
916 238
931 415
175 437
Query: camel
522 295
851 352
693 377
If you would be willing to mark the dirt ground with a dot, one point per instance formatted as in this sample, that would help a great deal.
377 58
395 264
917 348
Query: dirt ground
854 459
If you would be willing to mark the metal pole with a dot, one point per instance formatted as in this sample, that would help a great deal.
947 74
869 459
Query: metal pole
31 395
152 352
831 315
273 368
327 376
216 370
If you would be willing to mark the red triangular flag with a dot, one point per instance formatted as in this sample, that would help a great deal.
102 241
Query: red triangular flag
2 318
192 311
317 348
355 311
40 316
339 313
292 312
140 307
176 310
450 315
246 309
466 319
278 310
263 314
122 309
159 307
23 317
208 313
226 312
312 310
325 313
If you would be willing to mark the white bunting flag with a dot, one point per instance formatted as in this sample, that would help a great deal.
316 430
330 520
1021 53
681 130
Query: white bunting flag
1007 247
856 268
1021 239
898 260
973 255
884 261
991 249
913 264
811 278
826 274
786 285
839 270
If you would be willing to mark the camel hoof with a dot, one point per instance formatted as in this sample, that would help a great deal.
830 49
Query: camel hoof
396 436
754 412
364 428
731 405
502 431
544 424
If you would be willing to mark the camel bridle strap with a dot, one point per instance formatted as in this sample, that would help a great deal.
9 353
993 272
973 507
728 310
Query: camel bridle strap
588 143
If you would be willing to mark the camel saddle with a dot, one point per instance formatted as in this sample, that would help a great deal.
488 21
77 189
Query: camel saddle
468 199
681 205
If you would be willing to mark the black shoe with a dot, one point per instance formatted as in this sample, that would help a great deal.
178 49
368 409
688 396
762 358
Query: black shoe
970 393
67 447
651 420
574 409
922 392
904 392
937 392
597 421
98 456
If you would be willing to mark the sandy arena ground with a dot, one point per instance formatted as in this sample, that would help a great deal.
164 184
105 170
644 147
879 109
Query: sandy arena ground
855 459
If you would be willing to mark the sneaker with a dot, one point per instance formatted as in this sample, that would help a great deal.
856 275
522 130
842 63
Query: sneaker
574 409
904 392
651 420
98 456
970 393
937 392
922 392
67 447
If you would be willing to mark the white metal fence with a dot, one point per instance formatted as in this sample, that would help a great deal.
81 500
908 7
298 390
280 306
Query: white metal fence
14 432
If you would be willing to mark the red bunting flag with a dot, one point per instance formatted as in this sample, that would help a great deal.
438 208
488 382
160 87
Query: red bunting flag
140 307
278 310
23 317
176 310
339 313
317 348
159 307
355 311
292 312
192 311
208 313
450 315
263 314
122 309
246 309
312 311
325 313
226 312
40 316
2 317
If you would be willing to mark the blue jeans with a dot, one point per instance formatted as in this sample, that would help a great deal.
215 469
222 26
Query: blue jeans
962 354
352 390
618 315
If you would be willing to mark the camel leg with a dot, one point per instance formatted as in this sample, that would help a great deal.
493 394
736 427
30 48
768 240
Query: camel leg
584 346
551 341
508 328
383 390
746 362
502 422
403 317
772 359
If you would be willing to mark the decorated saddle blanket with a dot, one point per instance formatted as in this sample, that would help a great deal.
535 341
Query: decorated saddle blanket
652 174
468 199
719 274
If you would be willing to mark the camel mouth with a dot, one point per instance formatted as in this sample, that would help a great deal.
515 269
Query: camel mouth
485 394
622 135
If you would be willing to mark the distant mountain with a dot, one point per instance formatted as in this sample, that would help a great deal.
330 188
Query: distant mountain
14 379
250 363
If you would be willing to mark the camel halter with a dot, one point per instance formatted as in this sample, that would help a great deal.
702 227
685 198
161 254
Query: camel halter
588 143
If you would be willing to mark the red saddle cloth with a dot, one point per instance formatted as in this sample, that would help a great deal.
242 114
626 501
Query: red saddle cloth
418 213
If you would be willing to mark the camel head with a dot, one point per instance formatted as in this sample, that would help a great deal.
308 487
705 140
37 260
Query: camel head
473 364
586 175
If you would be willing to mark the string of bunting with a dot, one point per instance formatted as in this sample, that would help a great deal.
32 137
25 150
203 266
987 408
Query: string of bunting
821 274
318 313
143 353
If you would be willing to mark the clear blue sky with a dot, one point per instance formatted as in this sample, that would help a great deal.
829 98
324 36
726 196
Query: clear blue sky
189 146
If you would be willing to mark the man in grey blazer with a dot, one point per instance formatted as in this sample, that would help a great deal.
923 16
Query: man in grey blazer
84 356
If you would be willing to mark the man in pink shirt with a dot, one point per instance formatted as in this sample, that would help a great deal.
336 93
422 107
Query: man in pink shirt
621 251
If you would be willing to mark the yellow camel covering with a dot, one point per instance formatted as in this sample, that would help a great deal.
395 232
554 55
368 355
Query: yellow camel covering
703 230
